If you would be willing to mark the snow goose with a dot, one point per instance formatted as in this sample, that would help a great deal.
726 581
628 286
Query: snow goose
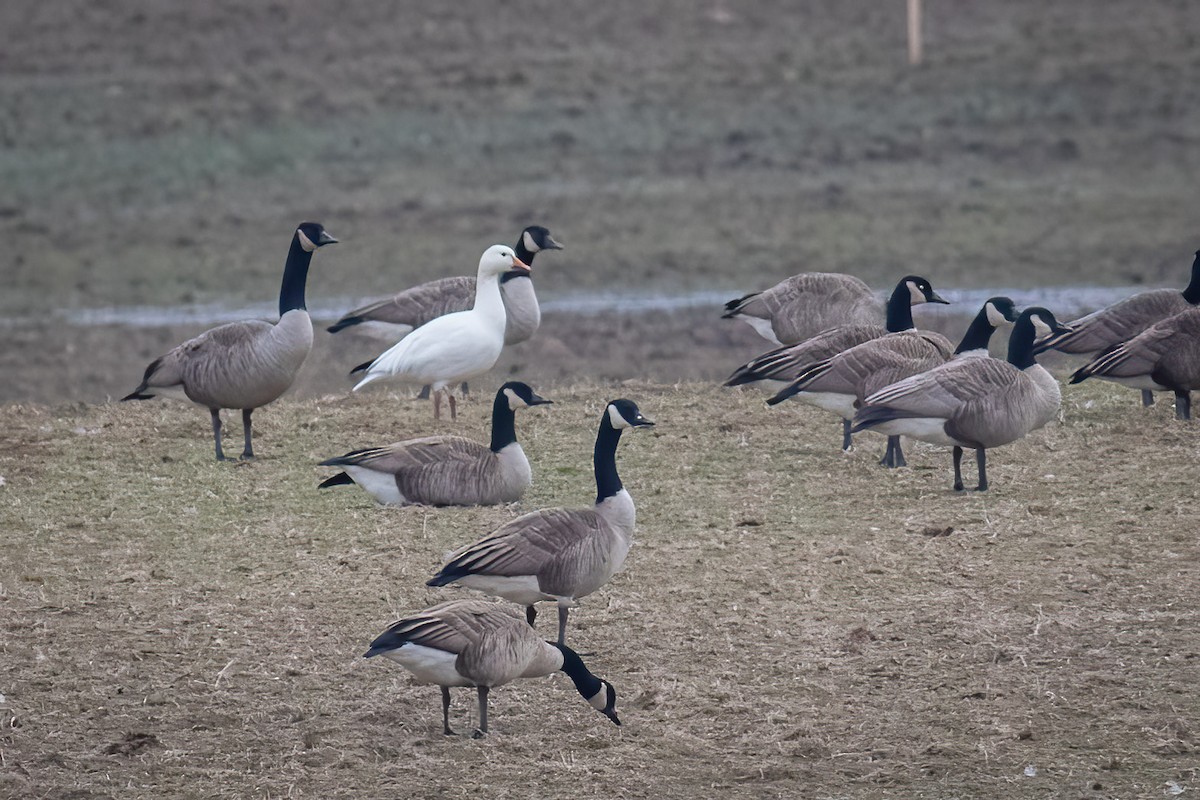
244 364
481 644
454 347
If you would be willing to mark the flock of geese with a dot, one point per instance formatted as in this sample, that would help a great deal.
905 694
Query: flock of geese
837 349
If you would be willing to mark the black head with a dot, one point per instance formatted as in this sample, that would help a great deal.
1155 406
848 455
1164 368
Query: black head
313 235
1001 311
536 238
920 290
1042 320
625 414
520 395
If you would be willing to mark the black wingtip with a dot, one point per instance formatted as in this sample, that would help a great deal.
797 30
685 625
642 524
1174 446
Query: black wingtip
343 323
137 395
444 578
341 479
363 367
1079 375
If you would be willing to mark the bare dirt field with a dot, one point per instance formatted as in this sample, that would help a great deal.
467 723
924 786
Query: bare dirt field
792 621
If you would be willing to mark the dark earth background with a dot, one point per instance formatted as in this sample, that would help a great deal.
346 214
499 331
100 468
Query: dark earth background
160 155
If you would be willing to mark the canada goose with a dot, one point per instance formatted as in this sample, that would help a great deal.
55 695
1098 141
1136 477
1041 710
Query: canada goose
840 384
454 347
972 402
559 554
481 644
244 364
447 470
803 305
1120 322
394 317
1164 357
783 365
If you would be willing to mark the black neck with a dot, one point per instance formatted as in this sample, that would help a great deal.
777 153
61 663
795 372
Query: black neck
604 460
585 682
525 255
978 334
1020 344
295 275
899 309
1192 292
504 430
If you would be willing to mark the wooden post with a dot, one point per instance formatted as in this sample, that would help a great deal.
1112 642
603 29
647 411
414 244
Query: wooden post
914 31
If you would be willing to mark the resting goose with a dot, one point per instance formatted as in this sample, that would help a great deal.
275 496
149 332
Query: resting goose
447 470
391 319
783 365
841 383
244 364
559 554
454 347
1164 357
800 307
1120 322
481 644
979 403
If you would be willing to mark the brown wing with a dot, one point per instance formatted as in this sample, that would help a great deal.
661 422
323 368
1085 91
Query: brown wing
415 454
527 545
421 303
787 363
864 368
807 304
1117 323
1171 346
451 626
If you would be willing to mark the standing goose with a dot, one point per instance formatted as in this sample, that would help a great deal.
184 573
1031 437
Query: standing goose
783 365
244 364
840 384
447 470
559 554
480 644
394 317
1120 322
454 347
1164 357
972 402
800 307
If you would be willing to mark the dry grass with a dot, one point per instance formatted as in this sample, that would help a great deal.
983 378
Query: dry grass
792 622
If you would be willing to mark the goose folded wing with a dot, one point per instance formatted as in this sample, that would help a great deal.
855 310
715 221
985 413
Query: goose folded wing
420 304
942 391
526 544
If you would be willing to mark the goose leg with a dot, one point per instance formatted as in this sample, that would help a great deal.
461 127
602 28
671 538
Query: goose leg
958 453
482 730
437 405
453 405
466 390
896 453
847 444
563 611
530 614
424 395
1183 405
981 460
1147 398
247 433
216 423
446 730
886 460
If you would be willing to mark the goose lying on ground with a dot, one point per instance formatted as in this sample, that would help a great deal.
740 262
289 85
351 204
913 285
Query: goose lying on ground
979 403
783 365
1120 322
481 644
454 347
559 554
800 307
244 364
1164 357
840 384
447 470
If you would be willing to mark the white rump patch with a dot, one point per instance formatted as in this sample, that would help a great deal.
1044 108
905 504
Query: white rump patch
428 664
927 429
762 327
380 485
521 589
840 404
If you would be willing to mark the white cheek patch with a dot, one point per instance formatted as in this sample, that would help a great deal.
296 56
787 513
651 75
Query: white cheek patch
530 244
916 295
599 701
615 419
514 401
305 242
994 317
1040 326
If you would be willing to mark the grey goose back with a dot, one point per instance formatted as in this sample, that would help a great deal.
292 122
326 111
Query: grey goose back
1123 320
558 554
393 318
1163 358
978 403
840 384
244 364
482 644
800 307
447 470
783 365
